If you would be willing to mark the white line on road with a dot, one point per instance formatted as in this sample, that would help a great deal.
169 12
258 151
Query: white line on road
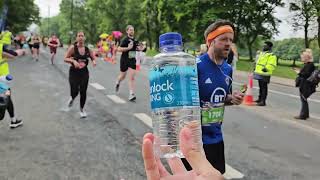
97 86
116 99
230 173
281 93
144 118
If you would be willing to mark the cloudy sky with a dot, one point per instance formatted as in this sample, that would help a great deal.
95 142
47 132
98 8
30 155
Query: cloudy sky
281 13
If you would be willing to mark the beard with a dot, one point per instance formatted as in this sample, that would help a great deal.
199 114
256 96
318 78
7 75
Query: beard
220 53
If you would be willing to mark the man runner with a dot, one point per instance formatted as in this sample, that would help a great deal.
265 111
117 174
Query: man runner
128 47
215 81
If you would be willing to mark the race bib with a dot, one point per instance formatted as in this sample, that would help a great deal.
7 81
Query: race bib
132 54
213 114
82 63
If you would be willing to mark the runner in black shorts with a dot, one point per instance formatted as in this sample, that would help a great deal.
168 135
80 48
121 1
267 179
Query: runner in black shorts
128 47
35 47
78 56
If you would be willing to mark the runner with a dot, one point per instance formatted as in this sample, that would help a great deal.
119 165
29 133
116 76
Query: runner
30 43
35 47
45 41
53 43
78 56
128 47
215 81
4 71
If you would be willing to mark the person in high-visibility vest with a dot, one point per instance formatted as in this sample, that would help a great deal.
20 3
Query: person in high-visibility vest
6 37
4 71
266 64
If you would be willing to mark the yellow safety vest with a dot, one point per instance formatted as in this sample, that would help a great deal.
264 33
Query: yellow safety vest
267 61
4 66
6 37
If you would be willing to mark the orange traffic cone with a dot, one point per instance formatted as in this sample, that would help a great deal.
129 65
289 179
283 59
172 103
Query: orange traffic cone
248 98
138 67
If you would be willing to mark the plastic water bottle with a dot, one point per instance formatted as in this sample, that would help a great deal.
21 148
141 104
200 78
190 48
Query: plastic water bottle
4 83
174 96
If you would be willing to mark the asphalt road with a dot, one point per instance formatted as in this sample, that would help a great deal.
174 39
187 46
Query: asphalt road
54 143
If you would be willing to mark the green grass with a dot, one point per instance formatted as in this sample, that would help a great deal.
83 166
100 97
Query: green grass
284 68
152 52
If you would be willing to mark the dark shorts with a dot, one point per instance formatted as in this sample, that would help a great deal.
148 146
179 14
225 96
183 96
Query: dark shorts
53 50
125 64
36 45
214 154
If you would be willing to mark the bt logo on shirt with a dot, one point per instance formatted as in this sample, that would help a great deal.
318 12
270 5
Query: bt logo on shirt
218 95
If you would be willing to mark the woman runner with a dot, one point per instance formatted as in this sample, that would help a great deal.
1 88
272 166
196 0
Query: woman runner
78 56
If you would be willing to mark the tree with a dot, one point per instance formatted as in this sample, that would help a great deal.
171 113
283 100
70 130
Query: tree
21 14
304 15
316 4
253 19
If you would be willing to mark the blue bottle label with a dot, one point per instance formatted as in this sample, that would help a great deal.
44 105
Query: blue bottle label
173 86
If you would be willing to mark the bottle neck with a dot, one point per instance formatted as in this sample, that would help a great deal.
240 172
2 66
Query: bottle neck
171 48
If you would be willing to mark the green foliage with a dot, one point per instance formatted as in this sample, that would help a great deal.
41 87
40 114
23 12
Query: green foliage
21 14
152 52
284 71
290 49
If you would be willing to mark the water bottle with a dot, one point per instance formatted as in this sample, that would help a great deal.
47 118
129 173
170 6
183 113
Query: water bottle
174 96
4 83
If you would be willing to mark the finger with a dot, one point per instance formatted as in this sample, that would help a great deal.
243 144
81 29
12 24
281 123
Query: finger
162 170
194 154
176 165
150 163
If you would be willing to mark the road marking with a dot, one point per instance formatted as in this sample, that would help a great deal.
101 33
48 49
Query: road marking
281 93
97 86
230 173
315 116
116 99
144 118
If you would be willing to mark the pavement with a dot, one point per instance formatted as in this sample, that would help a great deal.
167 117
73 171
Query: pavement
260 142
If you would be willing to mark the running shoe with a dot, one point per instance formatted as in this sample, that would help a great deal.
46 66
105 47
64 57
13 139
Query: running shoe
70 102
132 97
15 124
83 114
117 87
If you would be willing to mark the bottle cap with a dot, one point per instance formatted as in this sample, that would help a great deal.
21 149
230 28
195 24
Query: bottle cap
9 77
169 39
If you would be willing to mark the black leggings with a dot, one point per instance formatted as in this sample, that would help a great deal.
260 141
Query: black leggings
10 109
79 83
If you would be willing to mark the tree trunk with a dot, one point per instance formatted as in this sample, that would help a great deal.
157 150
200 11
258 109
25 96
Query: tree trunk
318 20
306 39
294 62
149 34
250 49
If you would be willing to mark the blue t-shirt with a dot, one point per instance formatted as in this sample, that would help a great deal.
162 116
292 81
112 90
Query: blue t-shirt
214 85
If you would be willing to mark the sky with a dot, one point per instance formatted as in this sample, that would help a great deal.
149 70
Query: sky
285 29
44 7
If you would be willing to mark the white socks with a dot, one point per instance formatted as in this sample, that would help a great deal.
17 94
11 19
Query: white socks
13 119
